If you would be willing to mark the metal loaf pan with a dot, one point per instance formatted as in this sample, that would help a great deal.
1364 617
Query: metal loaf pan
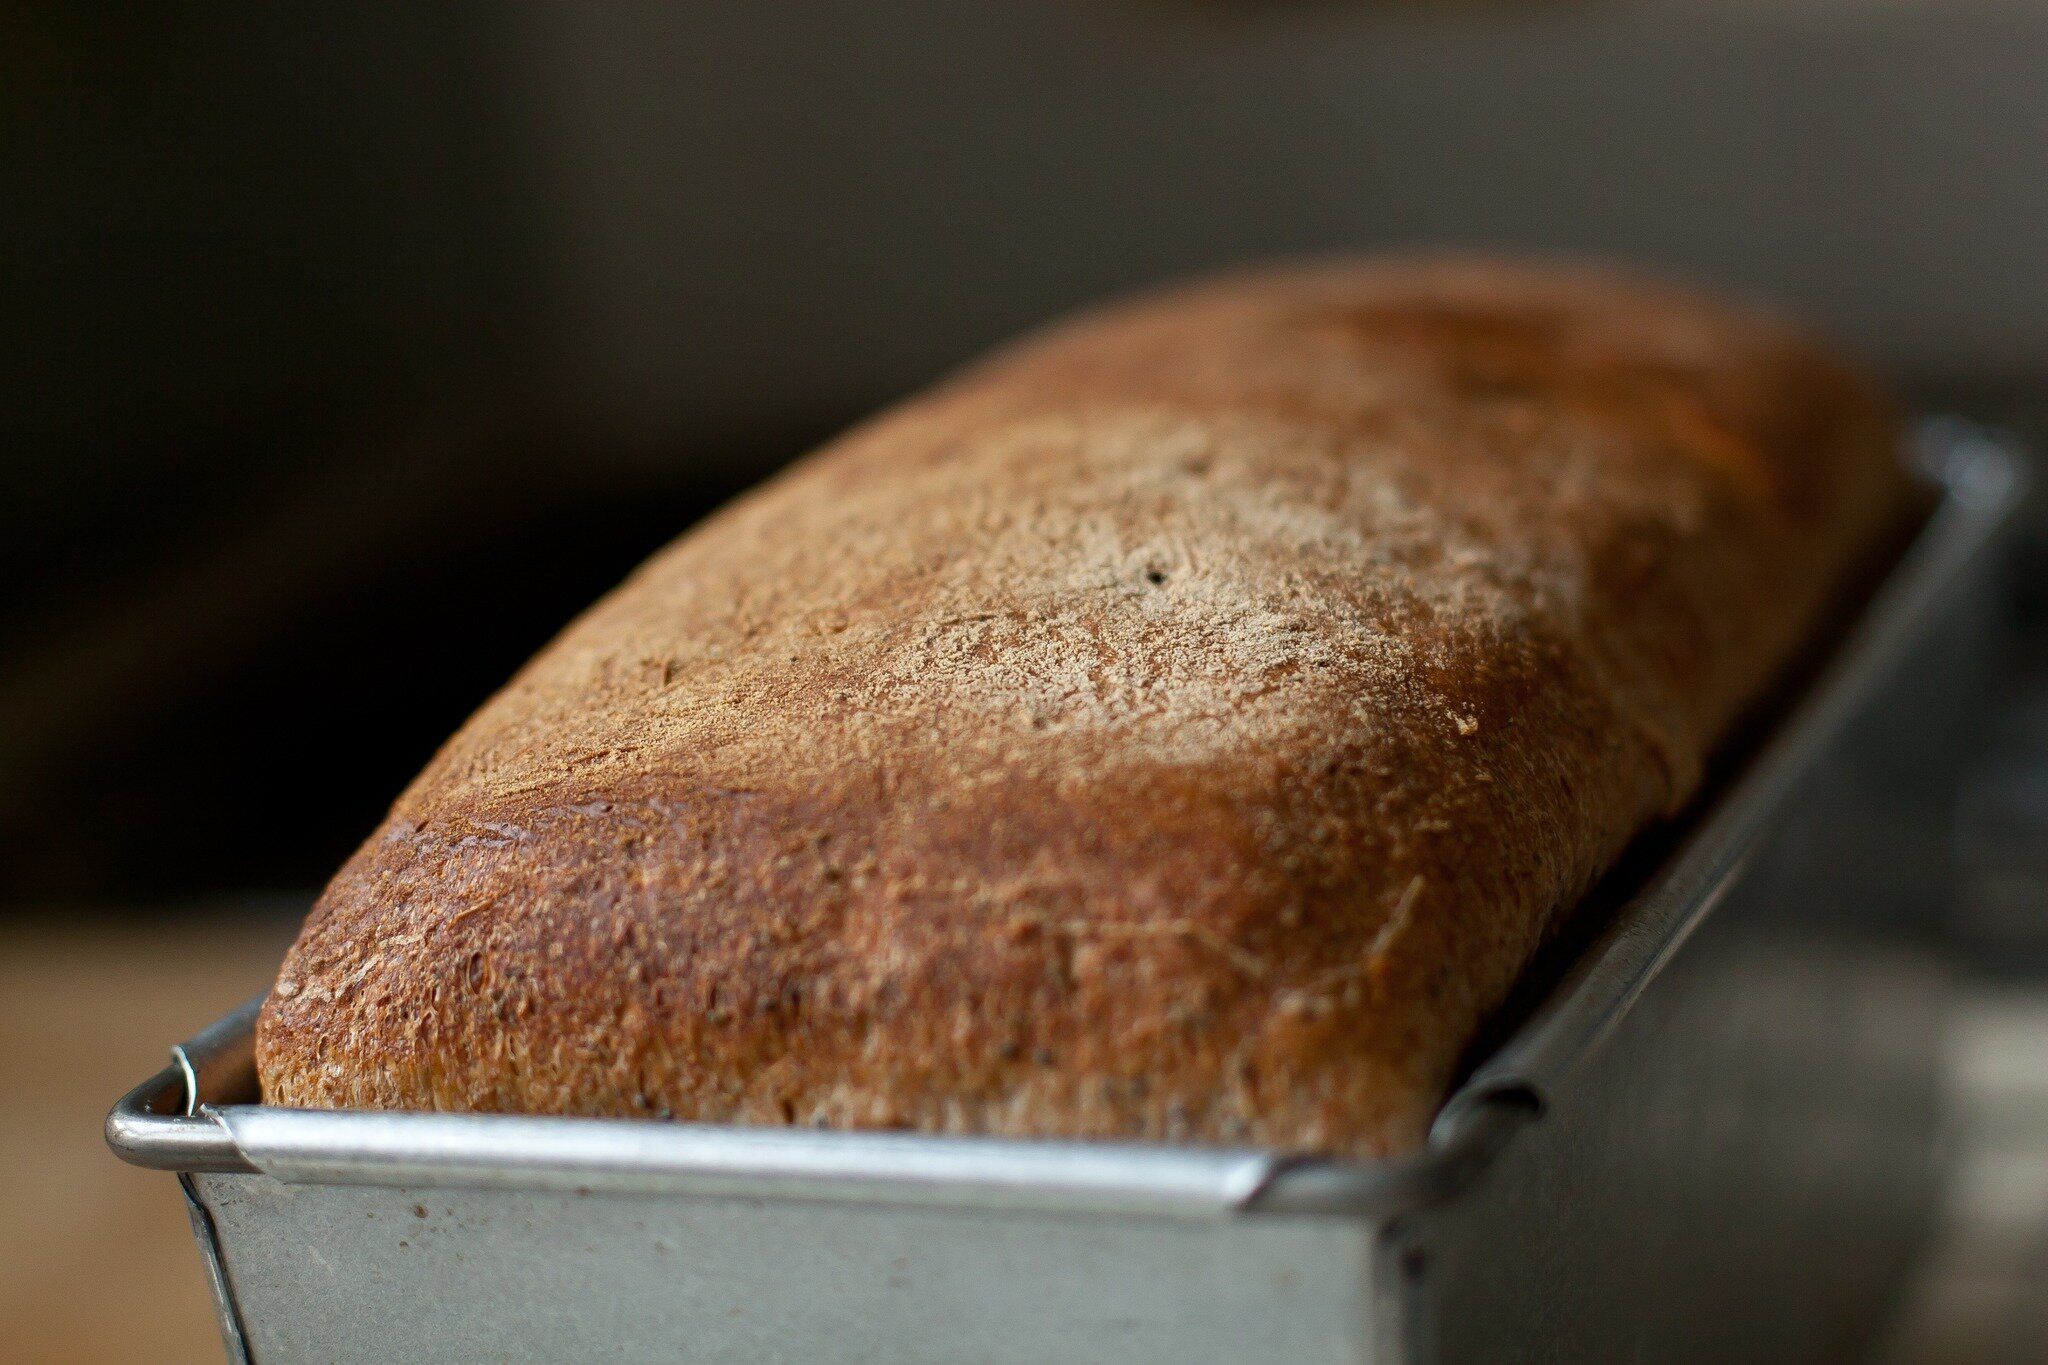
1707 1138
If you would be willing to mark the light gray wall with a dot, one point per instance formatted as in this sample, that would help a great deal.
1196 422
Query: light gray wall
747 208
681 222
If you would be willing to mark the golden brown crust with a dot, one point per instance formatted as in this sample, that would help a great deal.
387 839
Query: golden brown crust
1184 725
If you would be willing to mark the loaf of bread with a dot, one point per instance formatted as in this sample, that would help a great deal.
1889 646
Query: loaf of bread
1184 725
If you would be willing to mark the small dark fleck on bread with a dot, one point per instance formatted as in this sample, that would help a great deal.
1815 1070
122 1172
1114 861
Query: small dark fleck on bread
1183 725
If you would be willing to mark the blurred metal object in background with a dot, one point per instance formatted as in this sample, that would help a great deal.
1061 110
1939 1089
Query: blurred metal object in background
2002 847
1980 1294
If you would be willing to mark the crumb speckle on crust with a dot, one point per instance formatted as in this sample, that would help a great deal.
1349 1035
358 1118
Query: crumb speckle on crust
1183 725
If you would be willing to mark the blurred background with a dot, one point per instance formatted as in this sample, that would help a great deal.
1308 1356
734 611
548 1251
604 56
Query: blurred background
350 349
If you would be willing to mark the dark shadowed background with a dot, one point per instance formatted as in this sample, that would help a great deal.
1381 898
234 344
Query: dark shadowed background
352 348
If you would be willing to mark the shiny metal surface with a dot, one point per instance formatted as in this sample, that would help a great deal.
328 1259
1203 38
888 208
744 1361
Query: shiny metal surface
340 1272
472 1151
152 1126
1740 1173
226 1311
1708 1141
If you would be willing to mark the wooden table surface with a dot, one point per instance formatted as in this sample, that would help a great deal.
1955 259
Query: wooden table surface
98 1263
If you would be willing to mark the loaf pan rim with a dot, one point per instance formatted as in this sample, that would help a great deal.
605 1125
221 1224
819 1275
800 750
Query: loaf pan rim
183 1118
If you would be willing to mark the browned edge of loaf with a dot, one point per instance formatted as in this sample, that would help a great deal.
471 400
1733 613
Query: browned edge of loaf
1184 725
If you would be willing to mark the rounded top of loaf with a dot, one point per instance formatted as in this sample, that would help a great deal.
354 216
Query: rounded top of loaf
1183 724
